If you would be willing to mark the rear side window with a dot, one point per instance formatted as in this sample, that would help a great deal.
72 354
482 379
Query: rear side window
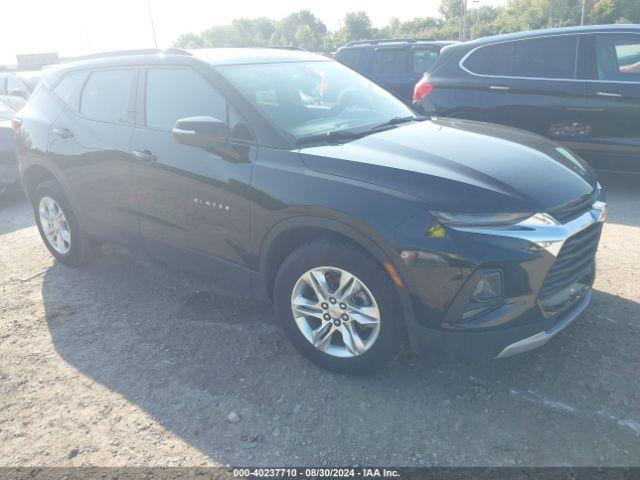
106 95
550 57
69 86
179 93
350 56
423 58
618 57
389 60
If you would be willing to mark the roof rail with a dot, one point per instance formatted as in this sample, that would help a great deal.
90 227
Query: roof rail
382 40
127 53
284 47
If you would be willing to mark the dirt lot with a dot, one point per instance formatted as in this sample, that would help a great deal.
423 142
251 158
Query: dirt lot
125 363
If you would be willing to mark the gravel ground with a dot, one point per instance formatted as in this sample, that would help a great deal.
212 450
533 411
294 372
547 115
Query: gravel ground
123 363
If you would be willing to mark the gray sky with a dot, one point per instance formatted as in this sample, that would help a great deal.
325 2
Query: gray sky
78 27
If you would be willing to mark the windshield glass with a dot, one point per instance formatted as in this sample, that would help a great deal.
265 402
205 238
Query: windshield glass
313 98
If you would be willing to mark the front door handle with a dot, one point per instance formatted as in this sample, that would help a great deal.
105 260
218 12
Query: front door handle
500 88
609 94
145 156
63 133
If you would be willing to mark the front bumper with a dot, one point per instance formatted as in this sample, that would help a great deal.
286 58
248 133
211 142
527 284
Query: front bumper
525 253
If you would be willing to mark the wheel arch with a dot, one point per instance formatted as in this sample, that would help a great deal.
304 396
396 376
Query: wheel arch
292 233
33 176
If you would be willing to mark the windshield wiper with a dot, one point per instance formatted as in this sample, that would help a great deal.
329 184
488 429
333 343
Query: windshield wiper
334 136
398 120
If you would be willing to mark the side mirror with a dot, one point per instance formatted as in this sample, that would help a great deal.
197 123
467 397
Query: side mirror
203 132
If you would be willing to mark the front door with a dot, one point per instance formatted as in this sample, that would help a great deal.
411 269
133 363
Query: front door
614 102
189 197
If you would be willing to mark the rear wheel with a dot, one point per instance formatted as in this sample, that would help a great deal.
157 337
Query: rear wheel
58 225
339 308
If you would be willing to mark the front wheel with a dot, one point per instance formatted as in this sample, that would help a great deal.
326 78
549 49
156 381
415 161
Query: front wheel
339 308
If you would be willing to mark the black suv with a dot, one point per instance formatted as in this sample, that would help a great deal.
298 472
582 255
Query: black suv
394 64
579 86
294 178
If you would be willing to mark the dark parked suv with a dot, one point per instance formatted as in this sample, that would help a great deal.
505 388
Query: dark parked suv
393 64
579 86
294 178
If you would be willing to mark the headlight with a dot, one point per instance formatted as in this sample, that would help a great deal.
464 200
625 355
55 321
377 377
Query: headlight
479 220
600 193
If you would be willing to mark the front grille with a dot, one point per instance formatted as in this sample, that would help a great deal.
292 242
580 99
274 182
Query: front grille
574 209
575 265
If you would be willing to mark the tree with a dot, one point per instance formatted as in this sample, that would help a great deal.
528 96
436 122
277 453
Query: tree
300 25
189 40
357 26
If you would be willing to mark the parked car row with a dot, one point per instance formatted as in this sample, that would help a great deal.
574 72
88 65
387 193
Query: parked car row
579 86
8 159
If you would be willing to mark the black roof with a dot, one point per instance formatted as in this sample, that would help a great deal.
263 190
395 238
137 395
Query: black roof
554 31
390 41
212 56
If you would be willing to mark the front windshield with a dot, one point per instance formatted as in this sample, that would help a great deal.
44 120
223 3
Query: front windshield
313 98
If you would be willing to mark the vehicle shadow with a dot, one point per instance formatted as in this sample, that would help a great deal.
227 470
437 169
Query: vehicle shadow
623 196
189 354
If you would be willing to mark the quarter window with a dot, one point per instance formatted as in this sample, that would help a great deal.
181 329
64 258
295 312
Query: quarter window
68 87
179 93
106 95
618 57
389 60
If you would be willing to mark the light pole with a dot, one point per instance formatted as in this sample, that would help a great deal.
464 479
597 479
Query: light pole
584 8
463 20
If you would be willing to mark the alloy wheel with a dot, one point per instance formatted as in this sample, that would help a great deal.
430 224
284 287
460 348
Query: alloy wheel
335 311
54 225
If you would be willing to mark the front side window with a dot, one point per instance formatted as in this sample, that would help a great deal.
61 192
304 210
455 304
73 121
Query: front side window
106 95
388 60
618 57
313 98
178 93
423 58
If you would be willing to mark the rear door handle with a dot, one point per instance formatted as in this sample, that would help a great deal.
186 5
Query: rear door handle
63 132
609 94
145 156
501 88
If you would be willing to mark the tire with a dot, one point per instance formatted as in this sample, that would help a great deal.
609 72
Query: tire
77 247
334 354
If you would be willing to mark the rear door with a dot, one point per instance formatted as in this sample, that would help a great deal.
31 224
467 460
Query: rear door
612 63
389 68
188 197
531 84
90 141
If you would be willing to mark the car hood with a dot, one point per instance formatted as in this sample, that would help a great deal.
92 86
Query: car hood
461 166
